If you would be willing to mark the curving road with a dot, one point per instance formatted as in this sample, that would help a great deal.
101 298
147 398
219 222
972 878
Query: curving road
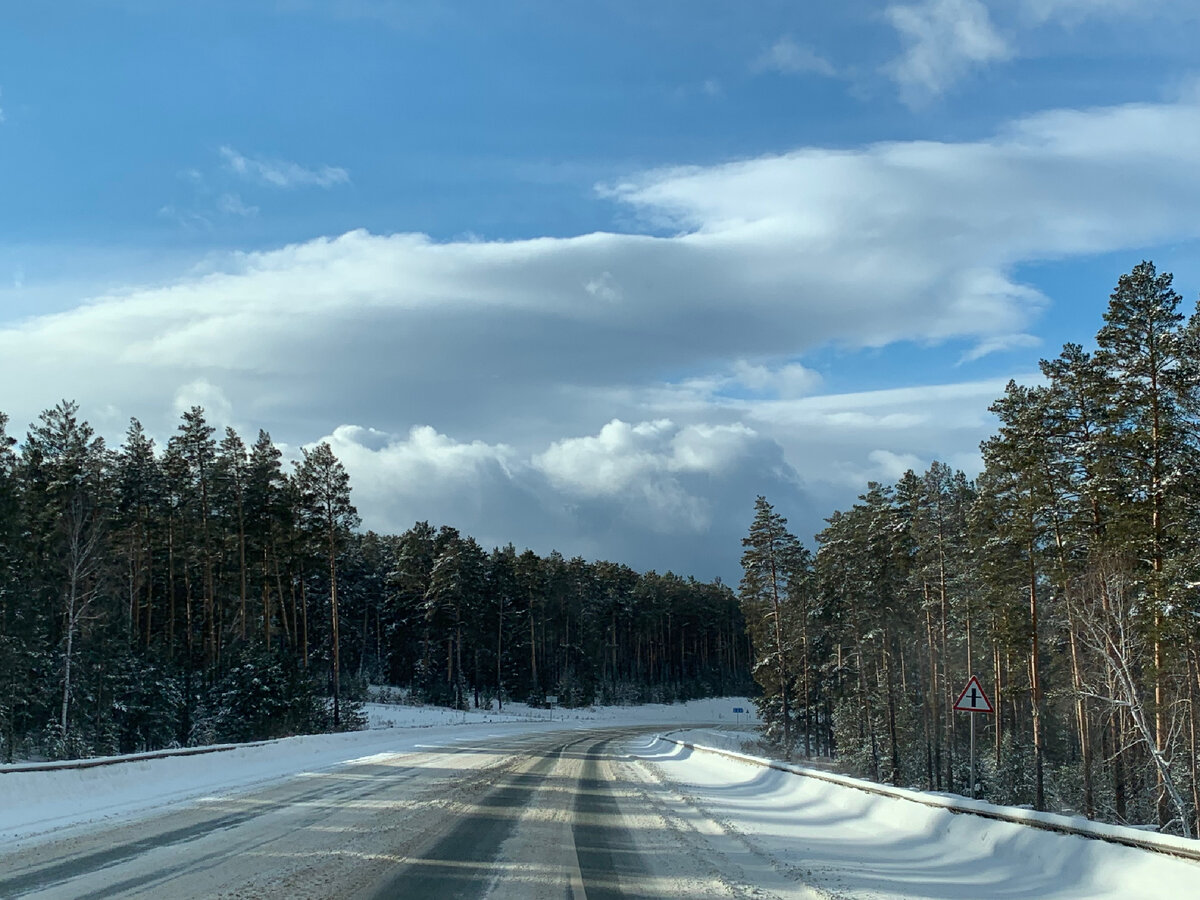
537 816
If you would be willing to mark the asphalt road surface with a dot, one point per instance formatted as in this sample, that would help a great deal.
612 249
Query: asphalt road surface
562 815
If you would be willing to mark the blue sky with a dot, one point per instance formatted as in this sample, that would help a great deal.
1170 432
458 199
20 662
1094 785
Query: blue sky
585 276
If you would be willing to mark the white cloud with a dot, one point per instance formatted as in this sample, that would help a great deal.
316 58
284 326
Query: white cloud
521 351
943 41
622 455
775 256
231 204
789 58
217 407
185 217
625 461
603 287
659 474
891 466
649 478
281 173
709 449
791 380
424 455
999 344
840 441
607 463
889 408
427 475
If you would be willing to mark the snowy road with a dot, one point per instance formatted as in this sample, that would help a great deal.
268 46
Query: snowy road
537 815
521 811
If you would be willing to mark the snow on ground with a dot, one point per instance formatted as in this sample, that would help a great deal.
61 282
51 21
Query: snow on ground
852 844
741 738
40 805
712 710
844 842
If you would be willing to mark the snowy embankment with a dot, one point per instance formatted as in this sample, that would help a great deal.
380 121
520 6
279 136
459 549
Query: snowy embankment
41 801
736 744
848 842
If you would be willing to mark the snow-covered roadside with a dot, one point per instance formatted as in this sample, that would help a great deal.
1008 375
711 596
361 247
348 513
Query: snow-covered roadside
743 744
44 804
732 739
853 844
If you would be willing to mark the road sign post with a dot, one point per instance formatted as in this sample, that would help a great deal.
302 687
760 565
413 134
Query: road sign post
972 757
973 700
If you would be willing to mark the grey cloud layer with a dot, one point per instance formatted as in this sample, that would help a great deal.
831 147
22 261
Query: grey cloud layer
543 369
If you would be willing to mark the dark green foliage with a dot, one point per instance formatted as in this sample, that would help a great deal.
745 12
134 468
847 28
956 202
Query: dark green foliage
146 703
1065 579
262 694
201 594
773 595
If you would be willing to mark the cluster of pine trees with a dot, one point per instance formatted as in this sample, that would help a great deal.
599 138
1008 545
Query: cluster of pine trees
204 592
1067 577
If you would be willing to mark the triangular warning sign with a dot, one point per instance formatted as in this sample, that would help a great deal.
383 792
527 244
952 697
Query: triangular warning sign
973 699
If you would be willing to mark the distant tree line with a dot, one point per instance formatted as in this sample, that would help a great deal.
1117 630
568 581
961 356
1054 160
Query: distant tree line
202 591
1067 577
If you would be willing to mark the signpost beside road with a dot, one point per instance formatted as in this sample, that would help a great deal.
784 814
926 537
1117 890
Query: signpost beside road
973 700
737 711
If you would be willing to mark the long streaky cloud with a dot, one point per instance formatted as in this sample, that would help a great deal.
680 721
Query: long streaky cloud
281 173
608 387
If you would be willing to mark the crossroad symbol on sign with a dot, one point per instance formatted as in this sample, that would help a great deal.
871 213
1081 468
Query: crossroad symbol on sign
973 699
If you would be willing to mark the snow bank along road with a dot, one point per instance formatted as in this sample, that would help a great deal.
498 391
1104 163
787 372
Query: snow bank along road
531 812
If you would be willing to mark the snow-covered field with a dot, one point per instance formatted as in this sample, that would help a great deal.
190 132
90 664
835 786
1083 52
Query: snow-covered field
791 836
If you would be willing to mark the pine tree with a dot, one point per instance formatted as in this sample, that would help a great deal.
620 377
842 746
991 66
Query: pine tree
191 459
406 584
17 640
64 465
231 477
770 561
1151 360
1079 470
139 502
1018 488
326 512
266 511
502 589
455 585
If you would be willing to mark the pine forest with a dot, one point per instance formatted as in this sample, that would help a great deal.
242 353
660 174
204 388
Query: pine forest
1066 578
154 597
204 593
